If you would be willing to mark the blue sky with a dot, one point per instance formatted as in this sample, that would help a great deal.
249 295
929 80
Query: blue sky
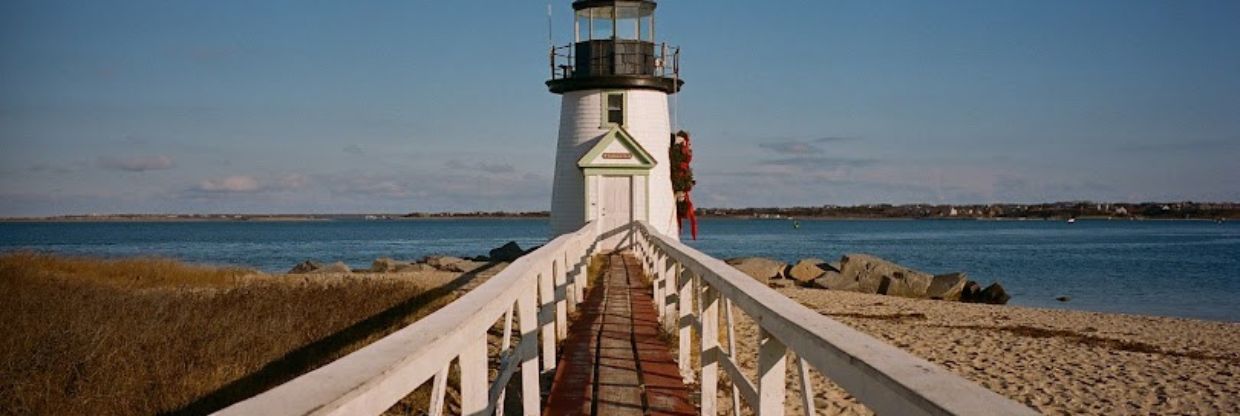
395 106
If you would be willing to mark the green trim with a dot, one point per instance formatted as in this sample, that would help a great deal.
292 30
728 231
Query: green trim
646 187
645 160
624 107
626 171
586 195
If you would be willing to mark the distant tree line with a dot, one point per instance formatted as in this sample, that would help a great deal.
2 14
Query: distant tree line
1053 210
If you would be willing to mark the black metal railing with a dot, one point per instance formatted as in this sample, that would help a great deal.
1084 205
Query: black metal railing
614 57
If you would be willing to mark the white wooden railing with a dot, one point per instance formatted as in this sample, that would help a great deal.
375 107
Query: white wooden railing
690 288
538 291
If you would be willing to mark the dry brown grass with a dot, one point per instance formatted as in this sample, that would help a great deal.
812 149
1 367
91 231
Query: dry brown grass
155 336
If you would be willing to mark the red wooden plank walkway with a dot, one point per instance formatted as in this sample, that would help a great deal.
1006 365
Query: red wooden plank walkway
613 361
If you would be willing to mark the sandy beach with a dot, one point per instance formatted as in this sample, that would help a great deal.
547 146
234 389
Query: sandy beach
1055 361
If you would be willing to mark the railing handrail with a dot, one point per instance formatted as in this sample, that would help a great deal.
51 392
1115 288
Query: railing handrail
886 379
373 378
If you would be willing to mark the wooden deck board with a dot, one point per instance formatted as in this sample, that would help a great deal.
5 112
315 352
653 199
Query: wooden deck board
614 362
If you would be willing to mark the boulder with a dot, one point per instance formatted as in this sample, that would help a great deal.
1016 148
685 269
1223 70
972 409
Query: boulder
875 275
760 268
510 251
337 267
414 267
807 270
445 263
467 266
995 294
971 292
905 285
305 267
833 280
947 286
384 265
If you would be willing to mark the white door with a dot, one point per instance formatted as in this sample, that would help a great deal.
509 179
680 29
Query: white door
616 211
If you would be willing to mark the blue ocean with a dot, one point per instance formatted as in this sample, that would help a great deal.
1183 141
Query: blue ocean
1170 268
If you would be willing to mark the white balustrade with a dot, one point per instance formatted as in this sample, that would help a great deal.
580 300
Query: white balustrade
536 290
886 379
540 289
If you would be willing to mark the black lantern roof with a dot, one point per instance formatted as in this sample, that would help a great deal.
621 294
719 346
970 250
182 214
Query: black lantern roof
585 4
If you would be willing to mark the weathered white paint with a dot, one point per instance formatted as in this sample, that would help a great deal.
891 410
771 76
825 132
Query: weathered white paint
886 379
581 127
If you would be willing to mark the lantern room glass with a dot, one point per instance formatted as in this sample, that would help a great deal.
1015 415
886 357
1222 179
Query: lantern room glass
625 20
602 23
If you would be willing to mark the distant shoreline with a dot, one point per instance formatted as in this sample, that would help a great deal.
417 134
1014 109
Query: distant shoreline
1052 211
297 219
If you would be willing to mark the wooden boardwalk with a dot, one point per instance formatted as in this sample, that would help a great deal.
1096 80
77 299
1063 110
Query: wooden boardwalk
613 361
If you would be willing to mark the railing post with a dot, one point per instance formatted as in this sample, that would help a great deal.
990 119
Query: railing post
710 351
669 276
807 386
685 320
570 273
660 286
772 370
527 350
583 274
474 384
439 388
731 335
561 296
546 316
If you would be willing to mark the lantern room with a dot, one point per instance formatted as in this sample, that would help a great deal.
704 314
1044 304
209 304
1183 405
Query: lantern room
614 47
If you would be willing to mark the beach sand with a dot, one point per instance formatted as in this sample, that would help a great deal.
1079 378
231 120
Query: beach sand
1055 361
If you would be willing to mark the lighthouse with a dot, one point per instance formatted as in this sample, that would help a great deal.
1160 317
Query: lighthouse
611 164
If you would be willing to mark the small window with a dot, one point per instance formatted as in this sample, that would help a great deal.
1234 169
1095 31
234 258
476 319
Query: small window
615 108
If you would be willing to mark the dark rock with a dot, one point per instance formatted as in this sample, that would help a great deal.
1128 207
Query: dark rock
947 286
994 294
305 267
481 258
507 252
971 292
1063 298
384 265
806 270
760 268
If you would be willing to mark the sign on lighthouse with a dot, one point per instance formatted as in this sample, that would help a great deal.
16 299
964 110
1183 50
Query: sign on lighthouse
611 162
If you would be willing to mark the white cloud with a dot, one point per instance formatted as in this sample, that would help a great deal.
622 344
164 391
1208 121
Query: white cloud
239 183
136 163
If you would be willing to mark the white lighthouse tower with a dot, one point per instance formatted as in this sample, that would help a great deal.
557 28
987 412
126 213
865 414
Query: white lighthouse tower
611 163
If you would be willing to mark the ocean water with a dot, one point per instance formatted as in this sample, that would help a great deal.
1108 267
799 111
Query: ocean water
1169 268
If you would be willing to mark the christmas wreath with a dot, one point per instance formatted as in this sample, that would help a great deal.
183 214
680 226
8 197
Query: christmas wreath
681 154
